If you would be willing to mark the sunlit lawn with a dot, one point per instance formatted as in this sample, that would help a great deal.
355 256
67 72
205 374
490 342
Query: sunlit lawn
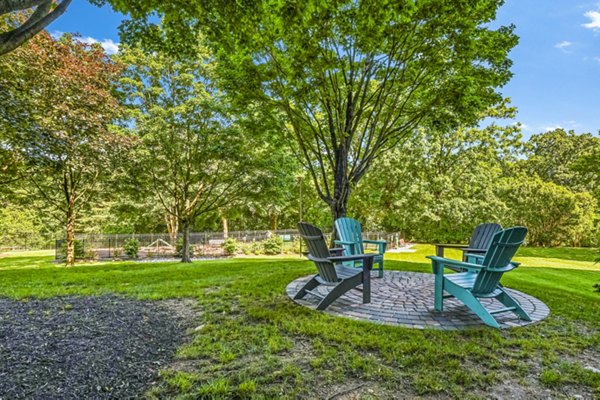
254 342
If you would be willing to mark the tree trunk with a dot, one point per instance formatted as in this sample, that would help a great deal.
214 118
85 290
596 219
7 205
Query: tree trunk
172 226
339 205
71 232
185 250
225 223
274 217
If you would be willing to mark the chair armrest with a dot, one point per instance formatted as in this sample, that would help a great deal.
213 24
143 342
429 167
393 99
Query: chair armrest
367 260
344 243
352 258
381 243
452 246
455 263
374 241
439 248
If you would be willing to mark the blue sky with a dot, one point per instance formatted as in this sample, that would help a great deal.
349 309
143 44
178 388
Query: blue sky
556 64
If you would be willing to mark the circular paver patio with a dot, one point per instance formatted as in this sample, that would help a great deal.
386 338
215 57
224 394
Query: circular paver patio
406 299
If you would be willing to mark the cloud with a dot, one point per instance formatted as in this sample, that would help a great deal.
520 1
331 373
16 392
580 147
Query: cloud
594 17
56 34
564 46
597 59
552 127
108 45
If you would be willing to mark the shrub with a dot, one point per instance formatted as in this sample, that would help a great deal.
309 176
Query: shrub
230 246
273 245
117 253
131 248
91 254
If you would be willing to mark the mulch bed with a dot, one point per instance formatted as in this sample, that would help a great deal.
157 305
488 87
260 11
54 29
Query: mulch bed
87 347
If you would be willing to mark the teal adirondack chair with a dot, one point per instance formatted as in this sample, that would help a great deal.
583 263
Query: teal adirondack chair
482 280
350 238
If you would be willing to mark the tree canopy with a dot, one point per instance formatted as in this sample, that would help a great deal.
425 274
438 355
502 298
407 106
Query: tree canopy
353 79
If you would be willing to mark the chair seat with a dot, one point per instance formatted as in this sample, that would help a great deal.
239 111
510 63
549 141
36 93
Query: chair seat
466 280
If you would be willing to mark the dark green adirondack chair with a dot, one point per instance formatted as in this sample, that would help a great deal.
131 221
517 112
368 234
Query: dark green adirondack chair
331 270
478 245
350 238
469 287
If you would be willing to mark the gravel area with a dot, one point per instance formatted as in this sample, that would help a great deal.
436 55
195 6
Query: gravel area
87 347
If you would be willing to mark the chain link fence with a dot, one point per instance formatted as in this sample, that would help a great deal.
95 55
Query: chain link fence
202 244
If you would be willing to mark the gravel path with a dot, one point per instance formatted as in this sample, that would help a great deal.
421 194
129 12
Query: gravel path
87 347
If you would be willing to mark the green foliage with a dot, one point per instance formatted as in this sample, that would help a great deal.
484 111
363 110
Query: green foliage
230 246
553 214
20 227
273 245
441 184
131 248
352 79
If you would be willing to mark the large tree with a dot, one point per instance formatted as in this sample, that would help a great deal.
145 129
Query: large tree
57 107
35 16
353 78
191 155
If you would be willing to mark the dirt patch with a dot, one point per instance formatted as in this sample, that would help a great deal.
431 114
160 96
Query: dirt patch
87 347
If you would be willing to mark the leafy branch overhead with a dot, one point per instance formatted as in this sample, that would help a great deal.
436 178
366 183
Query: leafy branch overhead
44 13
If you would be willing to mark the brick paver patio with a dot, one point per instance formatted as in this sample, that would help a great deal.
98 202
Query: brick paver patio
406 299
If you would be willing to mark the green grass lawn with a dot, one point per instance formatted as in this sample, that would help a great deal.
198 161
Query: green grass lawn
253 342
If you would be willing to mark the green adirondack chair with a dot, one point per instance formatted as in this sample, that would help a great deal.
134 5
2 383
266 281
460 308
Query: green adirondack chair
331 270
469 287
350 238
480 240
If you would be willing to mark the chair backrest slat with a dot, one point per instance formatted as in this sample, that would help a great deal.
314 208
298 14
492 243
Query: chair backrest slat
317 248
349 230
483 234
500 252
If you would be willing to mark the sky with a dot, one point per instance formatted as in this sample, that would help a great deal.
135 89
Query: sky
556 64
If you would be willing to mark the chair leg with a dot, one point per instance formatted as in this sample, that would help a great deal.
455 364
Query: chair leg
337 291
311 284
473 303
438 301
508 301
380 269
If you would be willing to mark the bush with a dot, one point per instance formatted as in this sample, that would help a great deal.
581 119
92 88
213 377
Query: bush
117 253
257 248
230 246
273 245
91 254
131 248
